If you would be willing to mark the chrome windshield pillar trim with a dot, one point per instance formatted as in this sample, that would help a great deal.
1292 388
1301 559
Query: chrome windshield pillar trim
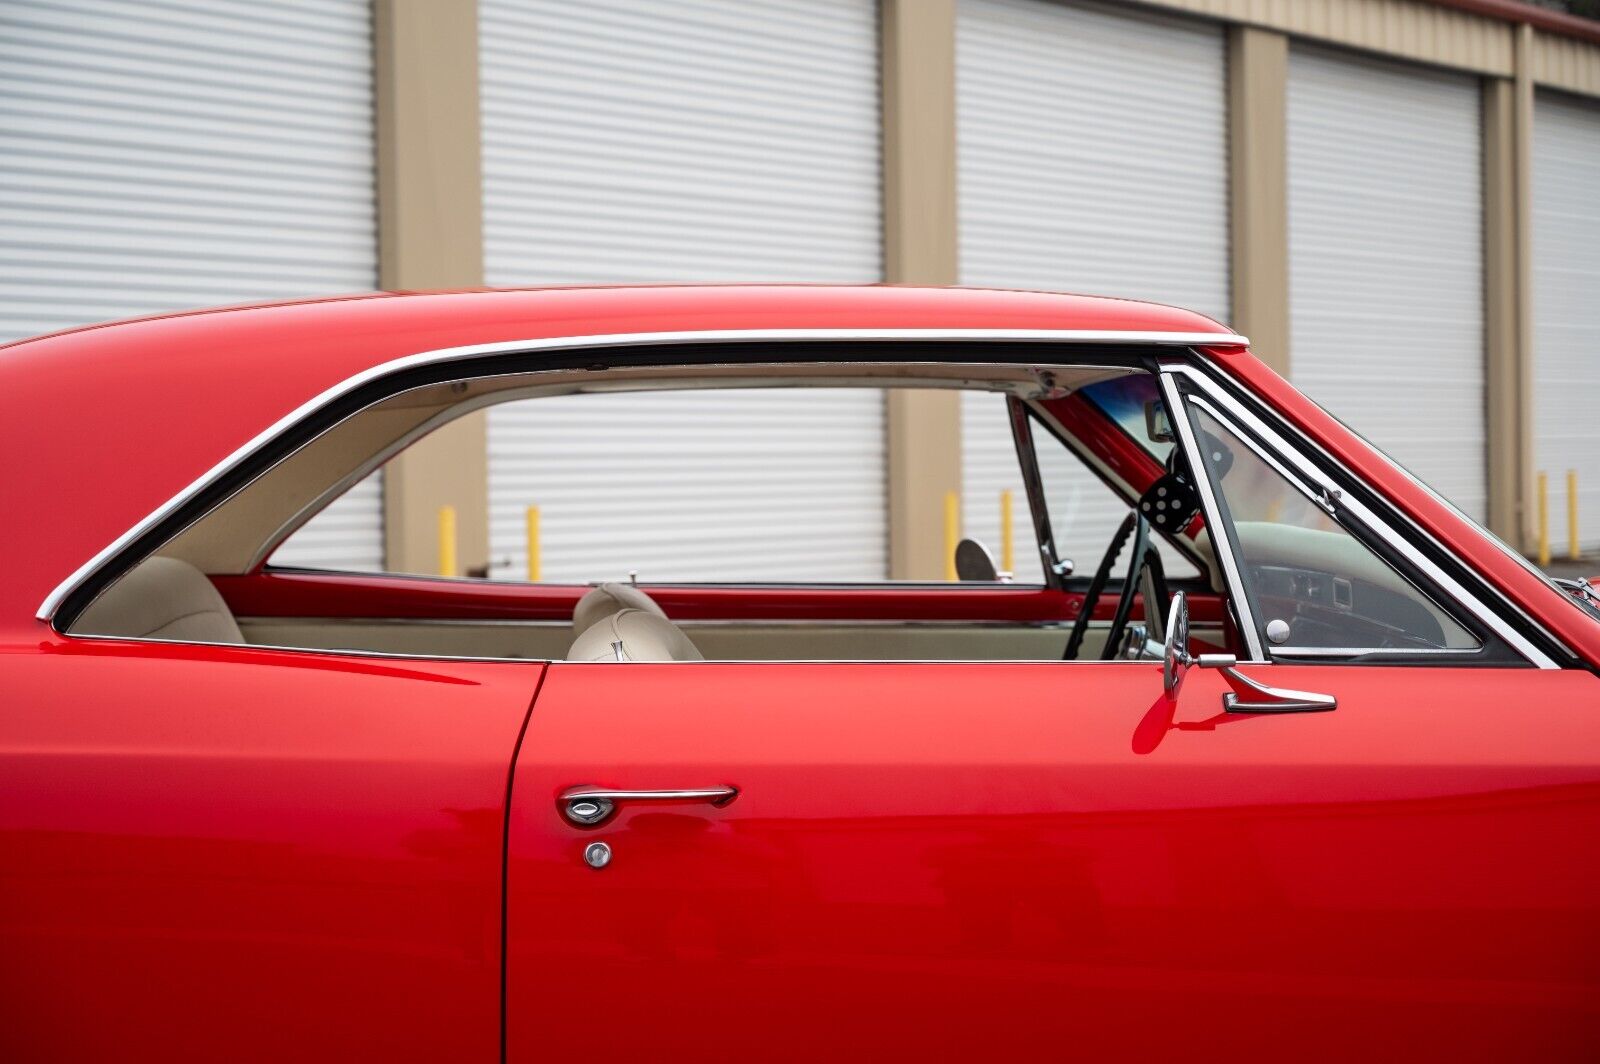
47 609
1221 536
1379 526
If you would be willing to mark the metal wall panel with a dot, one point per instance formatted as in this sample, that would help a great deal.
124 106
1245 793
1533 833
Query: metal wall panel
1566 307
709 140
1386 259
1093 158
156 157
741 484
1420 30
1565 63
347 534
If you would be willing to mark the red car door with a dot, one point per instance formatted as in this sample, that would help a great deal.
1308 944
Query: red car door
963 860
222 853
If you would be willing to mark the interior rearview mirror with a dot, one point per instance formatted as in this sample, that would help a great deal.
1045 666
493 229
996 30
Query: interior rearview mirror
1156 424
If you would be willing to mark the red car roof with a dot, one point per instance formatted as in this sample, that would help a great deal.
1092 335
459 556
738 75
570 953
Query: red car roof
101 425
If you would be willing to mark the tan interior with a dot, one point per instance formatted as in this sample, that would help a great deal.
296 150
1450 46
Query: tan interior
165 598
716 640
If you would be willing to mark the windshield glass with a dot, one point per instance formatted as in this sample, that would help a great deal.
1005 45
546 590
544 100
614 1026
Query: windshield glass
1311 581
1584 602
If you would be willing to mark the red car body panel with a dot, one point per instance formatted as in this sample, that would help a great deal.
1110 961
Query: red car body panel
971 862
228 851
225 853
304 594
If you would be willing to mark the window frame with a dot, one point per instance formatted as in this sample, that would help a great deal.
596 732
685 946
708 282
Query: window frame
1133 348
1415 555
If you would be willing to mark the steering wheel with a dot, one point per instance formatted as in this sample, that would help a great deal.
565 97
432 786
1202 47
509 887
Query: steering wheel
1145 561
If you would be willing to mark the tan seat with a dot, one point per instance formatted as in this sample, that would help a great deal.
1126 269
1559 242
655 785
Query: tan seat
606 599
633 635
161 598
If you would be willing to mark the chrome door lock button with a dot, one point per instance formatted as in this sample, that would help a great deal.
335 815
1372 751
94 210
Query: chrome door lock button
597 854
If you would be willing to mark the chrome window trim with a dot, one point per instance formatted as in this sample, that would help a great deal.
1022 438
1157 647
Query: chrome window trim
1366 652
1402 546
145 640
1220 535
52 601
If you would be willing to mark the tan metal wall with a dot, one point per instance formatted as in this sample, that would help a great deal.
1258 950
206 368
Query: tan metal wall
1565 63
918 39
1406 29
430 235
1258 74
1418 30
431 216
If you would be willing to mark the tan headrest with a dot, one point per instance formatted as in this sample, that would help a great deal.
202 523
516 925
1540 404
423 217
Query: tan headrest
644 637
161 598
607 599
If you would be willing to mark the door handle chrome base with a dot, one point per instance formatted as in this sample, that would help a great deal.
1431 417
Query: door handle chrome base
589 806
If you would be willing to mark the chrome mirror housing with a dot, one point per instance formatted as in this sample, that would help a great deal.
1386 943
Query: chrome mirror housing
1175 658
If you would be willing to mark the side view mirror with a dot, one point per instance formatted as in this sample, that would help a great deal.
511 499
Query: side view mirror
1247 696
1175 657
974 562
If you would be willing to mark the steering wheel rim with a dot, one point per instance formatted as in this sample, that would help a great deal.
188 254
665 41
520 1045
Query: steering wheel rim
1144 557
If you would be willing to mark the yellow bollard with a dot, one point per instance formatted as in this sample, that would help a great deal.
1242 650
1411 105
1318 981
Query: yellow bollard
952 533
447 541
1008 560
1544 519
1572 516
533 544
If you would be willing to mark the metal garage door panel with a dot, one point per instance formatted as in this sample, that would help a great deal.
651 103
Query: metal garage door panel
161 157
742 484
346 535
709 140
1093 158
1093 152
1386 259
1566 306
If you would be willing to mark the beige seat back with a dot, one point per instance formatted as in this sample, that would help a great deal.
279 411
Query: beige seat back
161 598
633 635
607 599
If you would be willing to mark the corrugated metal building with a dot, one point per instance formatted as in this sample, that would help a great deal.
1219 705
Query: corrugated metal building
1399 200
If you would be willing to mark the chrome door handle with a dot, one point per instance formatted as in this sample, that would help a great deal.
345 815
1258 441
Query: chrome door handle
588 806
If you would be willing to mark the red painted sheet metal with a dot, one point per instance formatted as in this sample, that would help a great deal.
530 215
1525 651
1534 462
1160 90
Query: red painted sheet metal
298 594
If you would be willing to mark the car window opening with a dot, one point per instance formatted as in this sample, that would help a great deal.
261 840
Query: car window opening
738 550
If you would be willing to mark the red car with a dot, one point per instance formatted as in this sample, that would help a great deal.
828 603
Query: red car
1320 777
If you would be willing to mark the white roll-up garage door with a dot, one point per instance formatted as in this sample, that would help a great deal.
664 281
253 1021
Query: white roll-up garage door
1566 306
1386 259
1093 155
708 140
157 157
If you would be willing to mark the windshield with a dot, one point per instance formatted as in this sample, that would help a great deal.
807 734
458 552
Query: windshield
1584 601
1313 584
